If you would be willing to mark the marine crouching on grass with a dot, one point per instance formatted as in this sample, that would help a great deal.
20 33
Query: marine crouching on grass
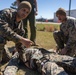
66 37
11 27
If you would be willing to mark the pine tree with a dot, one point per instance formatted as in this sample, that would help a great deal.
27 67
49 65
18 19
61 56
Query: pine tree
13 5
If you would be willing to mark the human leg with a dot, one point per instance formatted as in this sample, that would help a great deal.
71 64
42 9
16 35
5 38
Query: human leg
72 51
59 39
25 27
32 26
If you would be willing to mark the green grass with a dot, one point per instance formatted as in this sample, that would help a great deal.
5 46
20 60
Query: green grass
43 26
45 39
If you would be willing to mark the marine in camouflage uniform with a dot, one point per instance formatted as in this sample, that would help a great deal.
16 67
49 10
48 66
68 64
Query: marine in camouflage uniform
31 19
47 63
8 27
11 27
66 37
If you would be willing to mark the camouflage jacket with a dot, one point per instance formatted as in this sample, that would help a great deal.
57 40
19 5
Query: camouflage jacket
69 30
9 28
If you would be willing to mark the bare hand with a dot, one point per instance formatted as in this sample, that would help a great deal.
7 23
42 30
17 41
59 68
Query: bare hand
26 42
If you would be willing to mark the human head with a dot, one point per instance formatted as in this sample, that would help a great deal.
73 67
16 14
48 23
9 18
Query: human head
24 9
61 14
24 4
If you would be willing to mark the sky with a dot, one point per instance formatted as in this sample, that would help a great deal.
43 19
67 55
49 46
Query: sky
46 8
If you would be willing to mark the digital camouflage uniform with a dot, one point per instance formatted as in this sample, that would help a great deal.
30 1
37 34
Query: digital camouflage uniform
9 28
47 63
66 37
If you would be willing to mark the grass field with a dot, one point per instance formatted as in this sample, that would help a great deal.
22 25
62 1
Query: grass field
44 39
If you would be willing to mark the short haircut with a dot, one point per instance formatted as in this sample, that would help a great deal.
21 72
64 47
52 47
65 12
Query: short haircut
61 11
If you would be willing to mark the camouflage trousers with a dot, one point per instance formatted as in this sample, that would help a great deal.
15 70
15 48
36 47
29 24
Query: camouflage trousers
61 41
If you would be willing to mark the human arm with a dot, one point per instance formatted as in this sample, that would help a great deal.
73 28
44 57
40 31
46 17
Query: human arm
26 42
7 32
70 44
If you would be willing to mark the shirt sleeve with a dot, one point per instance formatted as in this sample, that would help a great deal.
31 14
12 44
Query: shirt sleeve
71 37
7 32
